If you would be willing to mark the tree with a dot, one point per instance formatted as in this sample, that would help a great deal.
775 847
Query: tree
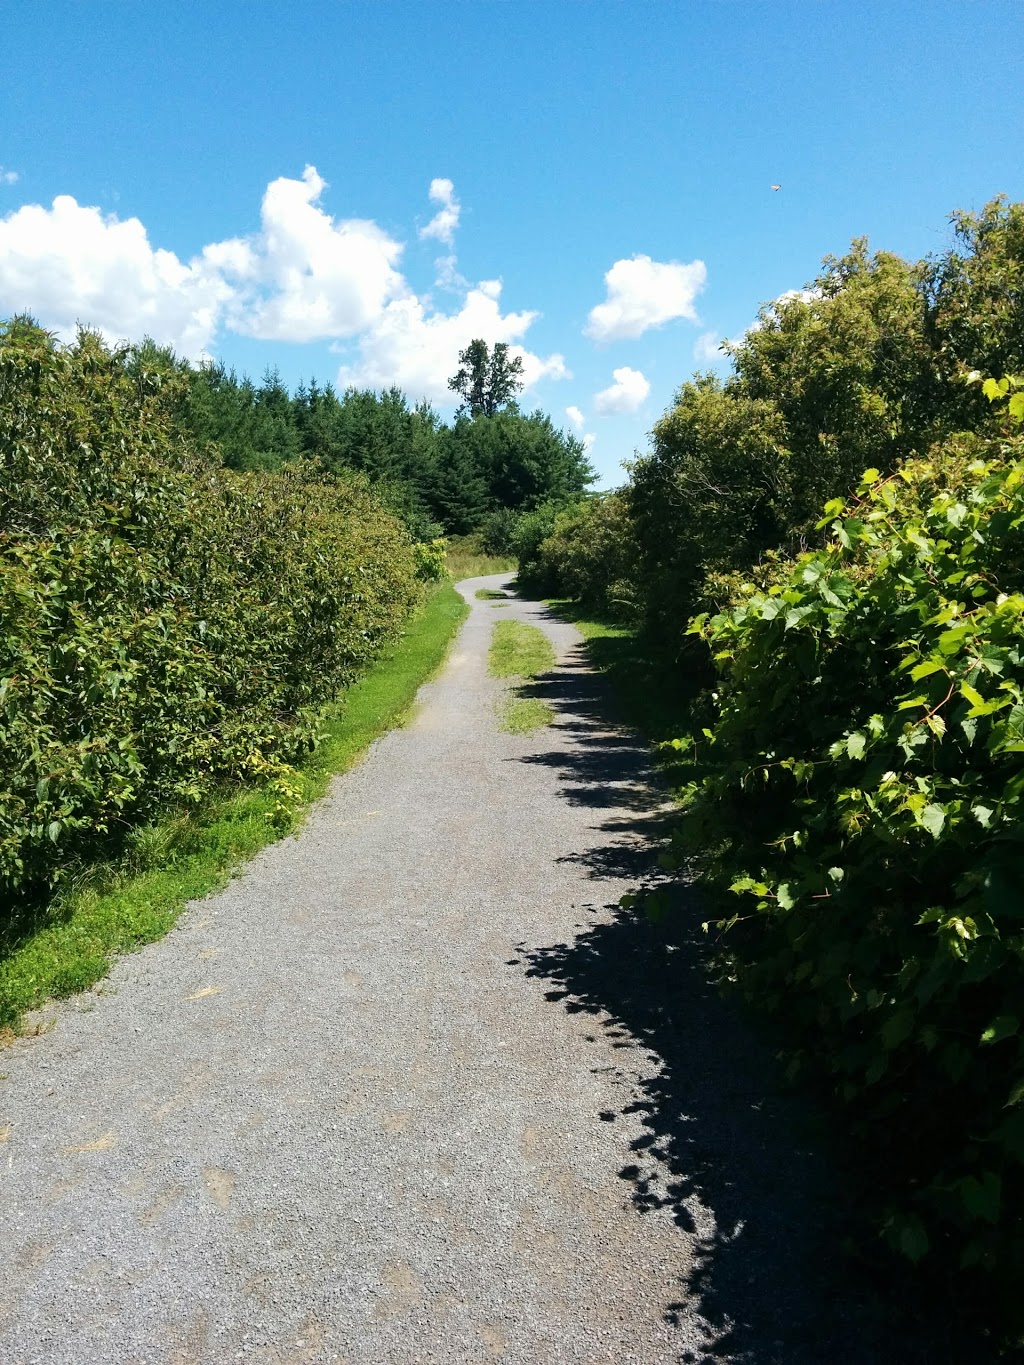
487 380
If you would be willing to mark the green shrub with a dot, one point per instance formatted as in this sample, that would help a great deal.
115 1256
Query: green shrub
431 559
588 555
166 624
862 793
533 529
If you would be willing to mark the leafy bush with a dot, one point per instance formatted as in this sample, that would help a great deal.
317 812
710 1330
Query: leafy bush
862 791
532 531
587 555
166 624
431 559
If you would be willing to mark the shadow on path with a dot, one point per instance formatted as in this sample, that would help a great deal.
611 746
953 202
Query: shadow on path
740 1165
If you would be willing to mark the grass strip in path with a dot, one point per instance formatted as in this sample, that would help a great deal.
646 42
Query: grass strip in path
521 651
119 906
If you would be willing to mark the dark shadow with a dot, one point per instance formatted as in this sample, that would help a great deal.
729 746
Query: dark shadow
746 1169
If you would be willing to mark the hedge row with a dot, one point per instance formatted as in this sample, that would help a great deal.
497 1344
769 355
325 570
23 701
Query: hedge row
165 624
861 793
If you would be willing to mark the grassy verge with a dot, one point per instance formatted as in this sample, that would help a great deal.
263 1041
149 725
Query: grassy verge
490 595
646 686
523 652
468 559
653 691
115 907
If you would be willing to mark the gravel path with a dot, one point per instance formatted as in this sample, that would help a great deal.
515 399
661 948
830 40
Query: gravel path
411 1089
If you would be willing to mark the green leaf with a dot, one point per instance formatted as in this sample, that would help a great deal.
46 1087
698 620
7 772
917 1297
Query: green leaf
951 640
855 744
924 670
784 895
933 818
911 702
913 1240
1005 1026
742 884
983 1197
897 1028
971 695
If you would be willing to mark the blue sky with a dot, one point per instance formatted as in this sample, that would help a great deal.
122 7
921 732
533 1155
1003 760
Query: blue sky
584 156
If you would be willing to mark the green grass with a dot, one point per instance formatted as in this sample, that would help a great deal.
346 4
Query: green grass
656 693
468 559
649 685
519 715
115 907
519 650
490 595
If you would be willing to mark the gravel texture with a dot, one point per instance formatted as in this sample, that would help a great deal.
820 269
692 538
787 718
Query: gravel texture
411 1088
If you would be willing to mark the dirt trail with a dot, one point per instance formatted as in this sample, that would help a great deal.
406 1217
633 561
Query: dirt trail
412 1089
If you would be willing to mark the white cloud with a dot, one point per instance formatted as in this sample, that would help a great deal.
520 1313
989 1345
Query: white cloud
589 441
418 349
625 395
303 276
8 177
536 368
804 296
448 276
642 294
307 277
708 346
575 417
443 224
70 264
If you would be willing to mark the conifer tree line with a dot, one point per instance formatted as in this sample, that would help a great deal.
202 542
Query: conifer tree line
440 477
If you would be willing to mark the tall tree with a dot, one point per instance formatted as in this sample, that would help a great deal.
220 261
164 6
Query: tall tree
487 380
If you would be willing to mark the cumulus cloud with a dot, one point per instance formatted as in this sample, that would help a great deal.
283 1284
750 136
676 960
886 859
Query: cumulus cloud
8 177
642 294
575 417
418 349
306 276
302 276
444 222
70 264
625 395
708 346
589 440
